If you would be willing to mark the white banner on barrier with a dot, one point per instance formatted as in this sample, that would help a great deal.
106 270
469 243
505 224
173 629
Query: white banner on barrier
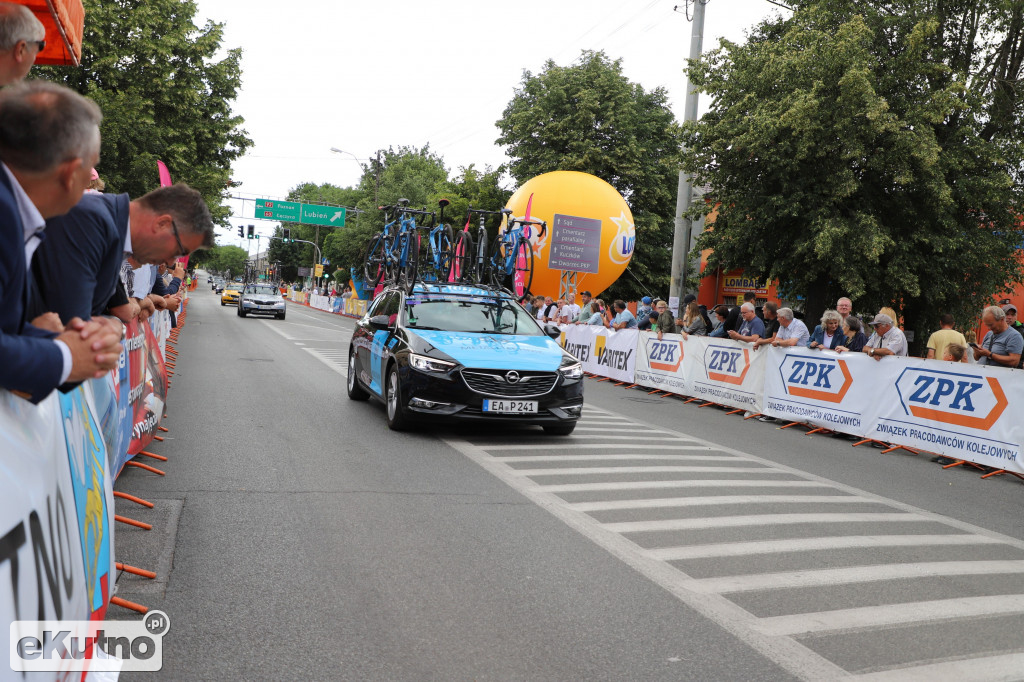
659 363
819 388
725 371
602 351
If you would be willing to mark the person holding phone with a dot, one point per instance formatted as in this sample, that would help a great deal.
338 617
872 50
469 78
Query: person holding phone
1002 346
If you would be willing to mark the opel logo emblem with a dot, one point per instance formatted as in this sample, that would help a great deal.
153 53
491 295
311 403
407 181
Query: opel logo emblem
512 377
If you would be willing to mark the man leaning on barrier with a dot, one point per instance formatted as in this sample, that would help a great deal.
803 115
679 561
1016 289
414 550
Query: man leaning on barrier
792 332
887 339
49 143
1002 346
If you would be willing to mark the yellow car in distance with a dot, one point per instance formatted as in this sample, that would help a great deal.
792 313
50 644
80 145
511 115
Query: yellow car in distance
232 290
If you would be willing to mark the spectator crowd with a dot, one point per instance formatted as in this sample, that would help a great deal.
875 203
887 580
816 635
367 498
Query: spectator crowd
76 264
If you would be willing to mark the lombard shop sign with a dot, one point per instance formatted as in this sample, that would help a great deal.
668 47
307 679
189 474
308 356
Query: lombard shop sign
738 283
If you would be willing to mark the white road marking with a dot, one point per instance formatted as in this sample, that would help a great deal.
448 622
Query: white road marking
734 549
590 446
855 574
666 502
340 368
890 614
590 471
688 483
601 458
758 520
980 669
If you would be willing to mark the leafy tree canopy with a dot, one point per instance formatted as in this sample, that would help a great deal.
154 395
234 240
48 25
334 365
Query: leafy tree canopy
868 150
589 117
226 260
163 95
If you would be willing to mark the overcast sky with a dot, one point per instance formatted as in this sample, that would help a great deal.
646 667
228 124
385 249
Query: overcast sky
369 75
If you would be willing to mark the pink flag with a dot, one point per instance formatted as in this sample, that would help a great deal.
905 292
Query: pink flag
165 175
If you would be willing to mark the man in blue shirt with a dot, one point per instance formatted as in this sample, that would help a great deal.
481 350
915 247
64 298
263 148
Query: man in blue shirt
752 328
623 318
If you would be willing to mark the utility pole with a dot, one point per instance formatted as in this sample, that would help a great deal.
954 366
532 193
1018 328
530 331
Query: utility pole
684 191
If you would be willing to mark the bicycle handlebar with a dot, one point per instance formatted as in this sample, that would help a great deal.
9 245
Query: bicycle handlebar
543 224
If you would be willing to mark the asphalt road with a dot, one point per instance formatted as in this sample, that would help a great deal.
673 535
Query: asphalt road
296 537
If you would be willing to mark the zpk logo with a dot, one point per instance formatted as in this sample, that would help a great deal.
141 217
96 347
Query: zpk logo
822 379
726 364
664 355
959 399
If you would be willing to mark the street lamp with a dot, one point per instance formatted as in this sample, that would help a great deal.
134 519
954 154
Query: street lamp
355 158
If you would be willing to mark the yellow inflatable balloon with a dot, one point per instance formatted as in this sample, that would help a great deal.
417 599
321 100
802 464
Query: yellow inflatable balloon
590 230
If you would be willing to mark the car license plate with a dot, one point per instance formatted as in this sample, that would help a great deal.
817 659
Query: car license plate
511 406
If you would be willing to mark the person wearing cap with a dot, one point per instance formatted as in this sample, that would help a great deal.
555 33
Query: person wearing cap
1011 319
643 313
887 339
946 335
587 309
1002 346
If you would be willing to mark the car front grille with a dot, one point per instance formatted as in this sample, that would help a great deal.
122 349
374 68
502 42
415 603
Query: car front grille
496 382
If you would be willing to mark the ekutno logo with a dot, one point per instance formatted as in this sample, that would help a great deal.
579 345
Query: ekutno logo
88 645
951 397
824 379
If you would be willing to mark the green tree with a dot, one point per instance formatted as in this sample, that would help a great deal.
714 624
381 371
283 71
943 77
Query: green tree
227 260
589 117
868 150
164 95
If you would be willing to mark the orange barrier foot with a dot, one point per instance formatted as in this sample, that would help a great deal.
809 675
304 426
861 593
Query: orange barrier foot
751 416
793 424
690 400
818 430
899 447
163 428
134 571
125 604
144 466
706 404
133 522
735 411
132 498
153 455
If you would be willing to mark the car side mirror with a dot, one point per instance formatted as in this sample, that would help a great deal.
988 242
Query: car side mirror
552 331
379 321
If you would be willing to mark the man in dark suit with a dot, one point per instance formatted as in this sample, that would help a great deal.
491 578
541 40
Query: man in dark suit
49 141
87 245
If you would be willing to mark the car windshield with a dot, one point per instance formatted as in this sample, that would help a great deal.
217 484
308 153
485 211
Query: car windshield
262 290
234 286
481 314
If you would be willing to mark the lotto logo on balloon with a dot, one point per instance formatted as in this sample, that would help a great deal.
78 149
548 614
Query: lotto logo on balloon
590 230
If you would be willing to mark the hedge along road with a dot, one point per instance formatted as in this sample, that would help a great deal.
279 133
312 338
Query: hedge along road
660 540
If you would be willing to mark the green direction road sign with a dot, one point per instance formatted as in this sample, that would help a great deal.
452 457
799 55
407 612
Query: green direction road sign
311 214
287 211
307 214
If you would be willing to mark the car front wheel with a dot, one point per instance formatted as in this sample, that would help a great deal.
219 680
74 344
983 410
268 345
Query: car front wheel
398 419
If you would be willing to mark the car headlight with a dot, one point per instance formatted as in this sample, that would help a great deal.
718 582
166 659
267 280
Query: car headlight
571 368
425 364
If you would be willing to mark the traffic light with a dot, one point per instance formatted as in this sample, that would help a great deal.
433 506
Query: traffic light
241 231
286 235
252 229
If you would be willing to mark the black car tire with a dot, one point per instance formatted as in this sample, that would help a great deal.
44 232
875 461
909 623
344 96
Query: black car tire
559 429
279 316
241 313
398 418
222 303
355 391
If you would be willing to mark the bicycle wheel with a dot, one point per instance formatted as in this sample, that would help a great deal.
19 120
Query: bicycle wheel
374 265
409 261
498 270
445 255
463 256
522 267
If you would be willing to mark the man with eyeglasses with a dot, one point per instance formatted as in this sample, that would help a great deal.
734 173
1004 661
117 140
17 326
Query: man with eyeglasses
89 245
21 40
